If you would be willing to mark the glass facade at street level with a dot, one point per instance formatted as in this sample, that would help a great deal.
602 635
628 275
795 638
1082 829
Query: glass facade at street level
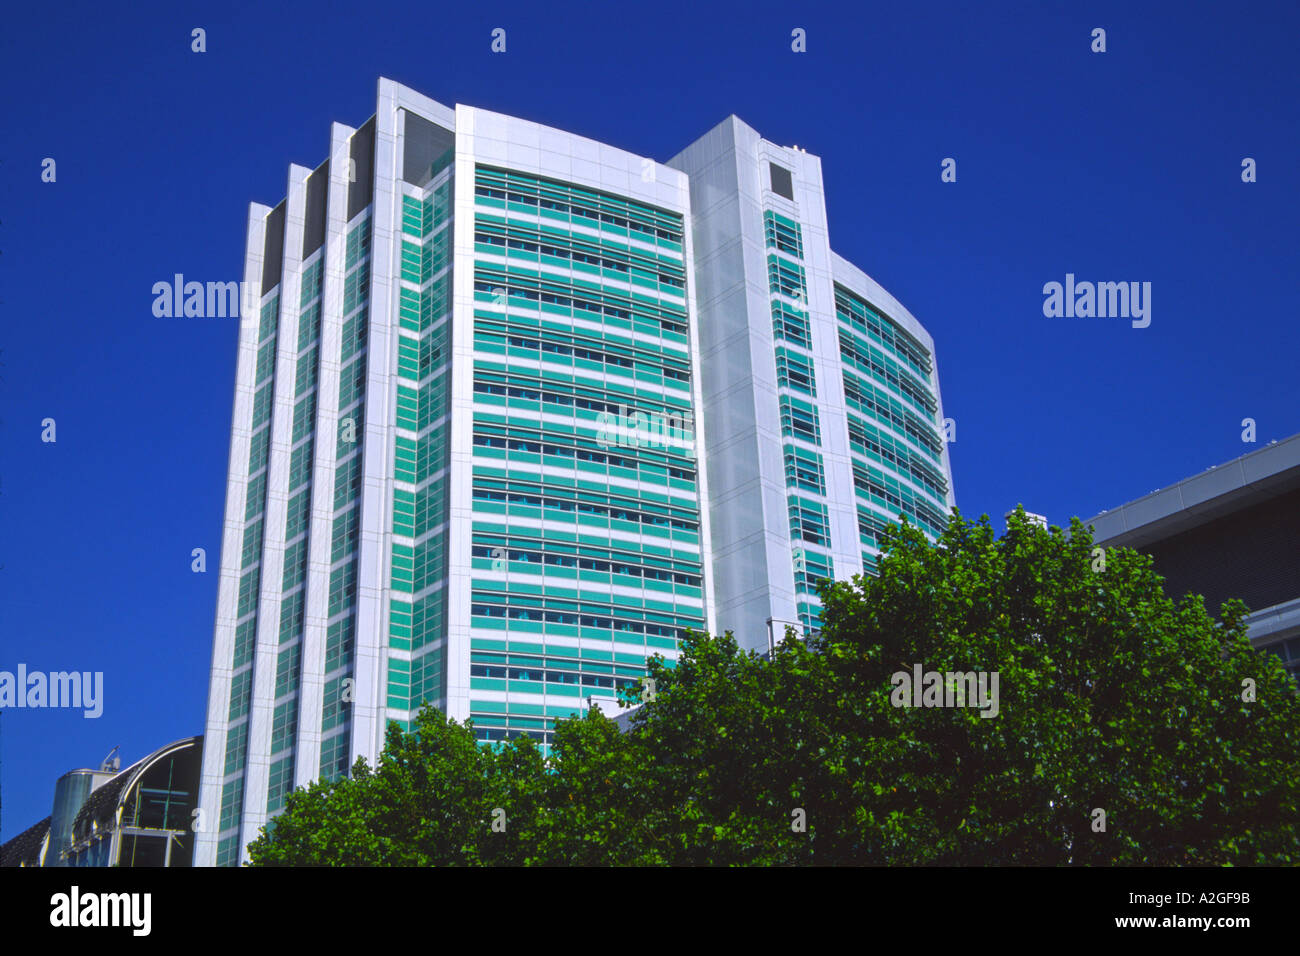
493 371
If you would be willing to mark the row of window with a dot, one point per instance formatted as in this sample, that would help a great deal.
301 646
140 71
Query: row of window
570 506
417 357
548 347
571 199
312 277
241 693
675 420
265 361
292 608
870 527
585 564
809 521
245 636
869 360
799 420
236 739
420 621
583 215
795 371
248 584
356 287
514 440
539 675
500 290
563 659
790 325
279 784
270 318
574 253
334 756
605 622
232 800
287 669
309 325
420 218
888 493
804 469
417 410
866 440
295 564
879 404
782 233
786 279
811 568
419 311
357 244
422 263
284 725
304 418
415 460
858 314
300 462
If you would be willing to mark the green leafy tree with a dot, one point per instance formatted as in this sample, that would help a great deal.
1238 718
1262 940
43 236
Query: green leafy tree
1114 704
435 798
1112 698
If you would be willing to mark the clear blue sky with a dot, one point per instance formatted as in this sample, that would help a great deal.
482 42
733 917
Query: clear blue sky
1117 166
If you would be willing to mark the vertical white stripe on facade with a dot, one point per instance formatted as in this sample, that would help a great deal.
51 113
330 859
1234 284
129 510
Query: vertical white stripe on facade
751 548
460 425
683 201
375 539
223 637
266 656
311 686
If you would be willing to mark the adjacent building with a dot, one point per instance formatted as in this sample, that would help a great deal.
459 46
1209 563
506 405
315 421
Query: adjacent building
142 816
514 411
1230 532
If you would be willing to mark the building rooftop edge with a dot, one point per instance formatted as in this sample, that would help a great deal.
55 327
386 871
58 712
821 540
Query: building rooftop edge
845 272
1253 477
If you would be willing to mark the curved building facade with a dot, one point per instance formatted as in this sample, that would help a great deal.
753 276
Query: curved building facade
144 816
515 410
821 394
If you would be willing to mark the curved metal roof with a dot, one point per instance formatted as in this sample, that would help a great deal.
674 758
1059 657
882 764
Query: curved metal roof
25 845
103 803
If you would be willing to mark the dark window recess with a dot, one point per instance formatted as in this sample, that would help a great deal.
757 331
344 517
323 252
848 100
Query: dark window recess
273 248
313 236
362 153
782 181
425 144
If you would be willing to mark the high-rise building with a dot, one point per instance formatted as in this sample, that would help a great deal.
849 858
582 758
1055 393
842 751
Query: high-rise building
492 373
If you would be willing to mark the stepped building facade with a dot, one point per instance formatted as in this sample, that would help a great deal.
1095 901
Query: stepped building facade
514 411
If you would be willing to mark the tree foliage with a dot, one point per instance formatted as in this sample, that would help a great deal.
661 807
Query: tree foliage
1112 698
